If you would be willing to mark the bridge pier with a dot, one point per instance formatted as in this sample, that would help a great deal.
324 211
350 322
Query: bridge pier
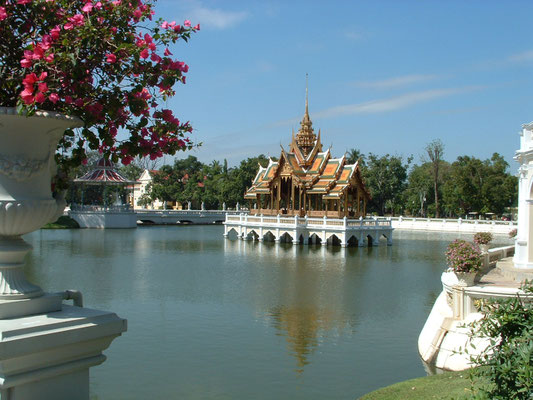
346 232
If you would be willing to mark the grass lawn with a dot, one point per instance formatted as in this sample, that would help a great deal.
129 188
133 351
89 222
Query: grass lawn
63 222
449 385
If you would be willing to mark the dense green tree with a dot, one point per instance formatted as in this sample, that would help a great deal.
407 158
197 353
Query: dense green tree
166 184
419 189
241 178
435 151
467 185
479 186
386 178
353 155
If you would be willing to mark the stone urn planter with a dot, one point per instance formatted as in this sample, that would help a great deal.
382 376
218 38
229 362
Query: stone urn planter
28 145
465 278
484 248
465 260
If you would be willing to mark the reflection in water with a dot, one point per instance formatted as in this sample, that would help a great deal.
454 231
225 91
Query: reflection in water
304 329
308 299
210 318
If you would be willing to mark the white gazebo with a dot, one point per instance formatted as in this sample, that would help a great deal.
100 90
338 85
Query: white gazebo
103 215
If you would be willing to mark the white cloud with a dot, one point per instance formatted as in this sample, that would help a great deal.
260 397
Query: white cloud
352 35
216 18
396 82
521 57
392 103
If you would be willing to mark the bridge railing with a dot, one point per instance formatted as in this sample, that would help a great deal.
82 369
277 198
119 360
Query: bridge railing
187 212
453 220
100 208
458 225
309 222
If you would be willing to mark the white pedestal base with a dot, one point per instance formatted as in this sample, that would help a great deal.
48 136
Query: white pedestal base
48 356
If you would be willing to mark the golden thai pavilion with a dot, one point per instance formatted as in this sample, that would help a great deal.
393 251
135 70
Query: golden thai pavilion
308 181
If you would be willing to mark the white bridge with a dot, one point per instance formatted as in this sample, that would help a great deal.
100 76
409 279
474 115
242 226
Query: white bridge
125 217
304 230
163 217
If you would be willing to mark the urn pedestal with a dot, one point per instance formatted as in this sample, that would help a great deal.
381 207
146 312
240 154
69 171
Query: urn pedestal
46 347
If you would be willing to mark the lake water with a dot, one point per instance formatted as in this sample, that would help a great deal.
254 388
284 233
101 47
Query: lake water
211 318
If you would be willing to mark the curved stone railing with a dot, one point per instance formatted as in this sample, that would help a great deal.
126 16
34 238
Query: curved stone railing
462 299
453 225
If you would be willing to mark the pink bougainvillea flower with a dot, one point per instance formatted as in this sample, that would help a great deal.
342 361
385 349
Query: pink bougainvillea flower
30 79
40 98
25 63
24 1
144 53
88 7
49 58
54 33
111 58
38 52
187 23
27 95
164 25
197 27
54 97
3 13
77 20
167 52
43 87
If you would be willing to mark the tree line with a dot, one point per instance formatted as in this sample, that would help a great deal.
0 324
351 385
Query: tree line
432 187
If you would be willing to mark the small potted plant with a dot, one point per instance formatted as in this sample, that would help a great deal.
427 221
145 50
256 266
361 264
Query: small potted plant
512 233
464 259
482 239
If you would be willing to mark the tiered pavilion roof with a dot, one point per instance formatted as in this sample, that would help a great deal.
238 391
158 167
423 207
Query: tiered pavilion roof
308 181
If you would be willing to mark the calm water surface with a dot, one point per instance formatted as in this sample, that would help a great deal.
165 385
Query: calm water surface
210 318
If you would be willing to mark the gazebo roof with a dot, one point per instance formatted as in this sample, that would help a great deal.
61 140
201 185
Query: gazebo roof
104 173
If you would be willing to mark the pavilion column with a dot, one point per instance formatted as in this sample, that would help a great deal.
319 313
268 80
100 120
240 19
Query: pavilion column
346 204
292 195
278 197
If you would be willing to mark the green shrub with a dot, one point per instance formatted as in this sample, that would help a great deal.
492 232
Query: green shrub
506 366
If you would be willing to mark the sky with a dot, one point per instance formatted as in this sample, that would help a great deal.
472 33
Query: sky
385 77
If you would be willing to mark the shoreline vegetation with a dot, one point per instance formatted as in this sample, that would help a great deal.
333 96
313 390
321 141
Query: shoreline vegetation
62 222
448 385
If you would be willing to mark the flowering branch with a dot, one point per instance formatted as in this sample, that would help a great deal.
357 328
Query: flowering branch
103 61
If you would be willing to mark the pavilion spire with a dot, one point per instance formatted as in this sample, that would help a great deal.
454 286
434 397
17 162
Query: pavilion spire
306 136
306 94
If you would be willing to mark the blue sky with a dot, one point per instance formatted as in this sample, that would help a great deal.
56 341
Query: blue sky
384 76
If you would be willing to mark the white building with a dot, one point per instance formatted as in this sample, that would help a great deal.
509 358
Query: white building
523 258
141 188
